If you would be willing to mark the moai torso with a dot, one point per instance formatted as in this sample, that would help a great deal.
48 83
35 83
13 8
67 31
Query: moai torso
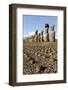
41 37
36 36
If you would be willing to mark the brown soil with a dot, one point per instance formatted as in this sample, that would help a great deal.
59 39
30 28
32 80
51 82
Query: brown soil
40 58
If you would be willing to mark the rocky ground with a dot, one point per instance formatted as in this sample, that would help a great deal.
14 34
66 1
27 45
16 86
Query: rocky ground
39 58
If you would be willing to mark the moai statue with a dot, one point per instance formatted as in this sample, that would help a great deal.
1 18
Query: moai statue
46 34
36 36
52 34
41 37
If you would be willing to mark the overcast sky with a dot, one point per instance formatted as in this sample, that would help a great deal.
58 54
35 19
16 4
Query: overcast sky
33 23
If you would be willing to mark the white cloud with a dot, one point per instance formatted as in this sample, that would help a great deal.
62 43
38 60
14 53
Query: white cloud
29 34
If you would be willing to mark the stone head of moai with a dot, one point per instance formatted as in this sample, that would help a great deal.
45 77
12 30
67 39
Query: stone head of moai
36 32
46 28
53 27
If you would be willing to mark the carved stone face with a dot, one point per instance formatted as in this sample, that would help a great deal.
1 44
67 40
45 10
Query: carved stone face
36 32
46 25
46 30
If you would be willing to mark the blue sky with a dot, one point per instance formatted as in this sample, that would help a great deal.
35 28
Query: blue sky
33 23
